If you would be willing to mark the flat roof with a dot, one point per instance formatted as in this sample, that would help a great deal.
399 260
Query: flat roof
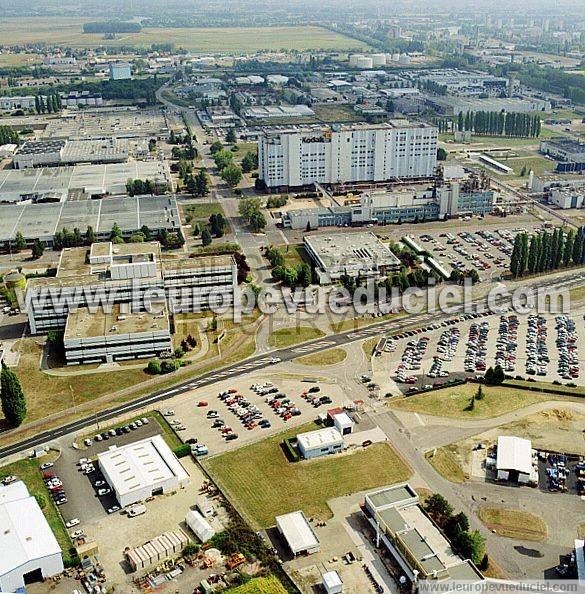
297 532
319 438
130 213
391 496
331 579
140 464
514 453
389 125
351 249
25 534
83 323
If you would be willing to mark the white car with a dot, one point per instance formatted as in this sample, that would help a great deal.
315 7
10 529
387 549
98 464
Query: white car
99 483
82 461
87 441
77 534
275 360
9 479
73 522
168 413
46 465
102 492
113 509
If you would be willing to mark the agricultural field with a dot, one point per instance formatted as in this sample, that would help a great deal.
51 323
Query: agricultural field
68 31
18 60
306 485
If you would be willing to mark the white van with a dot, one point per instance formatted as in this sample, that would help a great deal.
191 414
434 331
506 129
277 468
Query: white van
136 510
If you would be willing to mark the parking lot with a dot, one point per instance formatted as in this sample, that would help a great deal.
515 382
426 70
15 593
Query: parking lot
543 347
212 423
79 487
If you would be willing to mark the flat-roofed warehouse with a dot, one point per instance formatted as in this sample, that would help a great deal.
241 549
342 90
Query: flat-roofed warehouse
358 255
29 547
42 221
142 469
125 122
514 460
298 534
60 183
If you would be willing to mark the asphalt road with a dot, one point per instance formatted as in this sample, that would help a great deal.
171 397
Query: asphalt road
254 363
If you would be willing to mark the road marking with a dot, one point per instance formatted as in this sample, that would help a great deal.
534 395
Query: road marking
419 419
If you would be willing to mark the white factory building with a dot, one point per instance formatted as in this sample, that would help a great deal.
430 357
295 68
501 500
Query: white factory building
298 534
514 460
142 469
30 551
320 442
347 153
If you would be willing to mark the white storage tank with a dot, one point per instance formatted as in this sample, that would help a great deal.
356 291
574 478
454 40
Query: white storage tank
354 58
364 63
379 59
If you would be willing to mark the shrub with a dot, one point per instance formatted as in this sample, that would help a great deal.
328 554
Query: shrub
182 450
154 367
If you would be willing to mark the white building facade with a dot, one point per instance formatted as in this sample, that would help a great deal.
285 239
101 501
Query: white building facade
345 154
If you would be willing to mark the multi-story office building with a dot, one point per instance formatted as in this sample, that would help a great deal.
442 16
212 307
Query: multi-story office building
347 153
129 275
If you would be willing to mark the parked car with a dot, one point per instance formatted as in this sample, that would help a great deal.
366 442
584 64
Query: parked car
46 465
73 522
113 509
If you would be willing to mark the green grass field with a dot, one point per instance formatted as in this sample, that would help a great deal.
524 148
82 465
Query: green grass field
28 471
513 523
261 585
453 402
68 31
328 357
445 462
263 484
286 337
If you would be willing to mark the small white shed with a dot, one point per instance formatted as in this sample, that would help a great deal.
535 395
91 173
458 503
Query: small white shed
332 583
199 525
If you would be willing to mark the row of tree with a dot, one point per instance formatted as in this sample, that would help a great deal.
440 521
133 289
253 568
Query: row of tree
500 123
469 544
228 170
543 252
140 187
12 396
290 276
48 103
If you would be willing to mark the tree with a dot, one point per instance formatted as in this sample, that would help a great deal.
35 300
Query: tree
248 206
202 183
499 375
230 137
137 237
441 154
116 234
191 185
153 367
456 524
515 257
257 222
223 159
578 244
13 401
479 394
215 147
232 175
308 227
90 236
249 162
205 237
439 508
19 241
305 274
38 249
470 545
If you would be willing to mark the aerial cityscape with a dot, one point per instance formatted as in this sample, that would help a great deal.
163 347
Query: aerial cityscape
292 297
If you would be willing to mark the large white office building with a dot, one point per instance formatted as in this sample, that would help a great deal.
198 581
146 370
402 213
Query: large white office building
347 153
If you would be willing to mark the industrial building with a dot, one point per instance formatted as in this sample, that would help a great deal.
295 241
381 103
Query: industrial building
142 469
79 181
319 442
199 525
412 538
456 105
11 103
120 71
414 203
132 275
571 153
30 551
105 336
514 461
298 534
61 152
85 98
347 153
262 112
43 221
567 197
158 549
465 84
343 423
359 255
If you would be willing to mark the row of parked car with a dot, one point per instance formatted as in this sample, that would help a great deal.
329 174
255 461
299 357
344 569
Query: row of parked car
537 356
568 366
55 487
507 343
104 436
476 353
313 397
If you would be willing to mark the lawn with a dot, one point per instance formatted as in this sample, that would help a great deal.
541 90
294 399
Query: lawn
263 484
260 585
68 31
539 165
453 402
47 394
329 357
286 337
18 60
294 255
513 523
28 471
201 211
445 462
